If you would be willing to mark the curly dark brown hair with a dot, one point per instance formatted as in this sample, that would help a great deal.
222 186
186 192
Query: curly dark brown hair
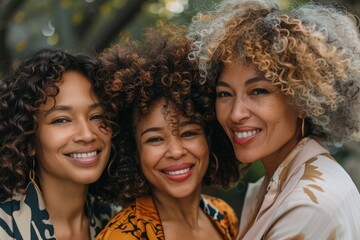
139 74
21 94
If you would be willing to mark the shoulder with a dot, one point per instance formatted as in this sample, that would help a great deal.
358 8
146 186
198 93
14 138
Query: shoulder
24 213
7 209
221 214
100 214
213 205
325 196
137 220
325 182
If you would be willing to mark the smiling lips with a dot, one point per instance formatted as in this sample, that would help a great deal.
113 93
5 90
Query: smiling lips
245 136
86 158
83 155
179 172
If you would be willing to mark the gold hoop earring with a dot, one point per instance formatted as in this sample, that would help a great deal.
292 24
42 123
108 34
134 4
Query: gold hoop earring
303 128
32 174
216 165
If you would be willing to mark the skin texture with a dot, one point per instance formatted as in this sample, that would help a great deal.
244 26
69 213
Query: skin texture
67 126
136 76
164 148
256 116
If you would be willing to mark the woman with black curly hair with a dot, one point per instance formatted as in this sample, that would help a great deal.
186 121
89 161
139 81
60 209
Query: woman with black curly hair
166 120
287 82
55 142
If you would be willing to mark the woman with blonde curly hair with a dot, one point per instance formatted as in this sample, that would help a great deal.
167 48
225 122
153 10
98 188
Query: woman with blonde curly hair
166 120
287 82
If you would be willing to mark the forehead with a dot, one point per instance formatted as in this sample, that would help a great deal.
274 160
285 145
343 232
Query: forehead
72 86
240 71
162 113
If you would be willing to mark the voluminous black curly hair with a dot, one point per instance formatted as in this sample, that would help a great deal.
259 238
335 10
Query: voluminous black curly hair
141 73
21 94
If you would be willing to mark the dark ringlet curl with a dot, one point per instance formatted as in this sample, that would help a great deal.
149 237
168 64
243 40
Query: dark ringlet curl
141 73
22 92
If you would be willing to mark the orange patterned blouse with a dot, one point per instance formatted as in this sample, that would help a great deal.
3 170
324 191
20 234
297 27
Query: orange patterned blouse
140 220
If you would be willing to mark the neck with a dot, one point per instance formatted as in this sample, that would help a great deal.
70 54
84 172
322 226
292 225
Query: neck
185 210
65 203
272 162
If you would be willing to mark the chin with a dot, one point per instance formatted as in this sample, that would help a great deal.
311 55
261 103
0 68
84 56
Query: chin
88 179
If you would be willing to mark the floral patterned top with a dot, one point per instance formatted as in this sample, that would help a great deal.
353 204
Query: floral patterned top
140 220
25 216
310 196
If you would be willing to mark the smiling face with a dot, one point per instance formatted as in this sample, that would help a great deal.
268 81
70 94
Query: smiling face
256 116
70 147
173 162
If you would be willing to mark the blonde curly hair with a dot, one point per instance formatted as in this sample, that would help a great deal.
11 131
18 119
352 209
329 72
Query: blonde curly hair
311 52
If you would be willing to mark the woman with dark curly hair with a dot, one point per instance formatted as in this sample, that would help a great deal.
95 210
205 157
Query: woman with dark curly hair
287 82
55 142
166 120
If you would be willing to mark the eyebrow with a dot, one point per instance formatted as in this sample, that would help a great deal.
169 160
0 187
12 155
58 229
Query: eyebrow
247 82
69 108
155 129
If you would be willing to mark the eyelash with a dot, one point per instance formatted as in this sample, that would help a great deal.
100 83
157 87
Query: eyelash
222 94
190 133
154 140
97 117
185 134
258 91
60 121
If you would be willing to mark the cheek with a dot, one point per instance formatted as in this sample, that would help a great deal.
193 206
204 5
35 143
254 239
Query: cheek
202 151
148 158
221 114
285 123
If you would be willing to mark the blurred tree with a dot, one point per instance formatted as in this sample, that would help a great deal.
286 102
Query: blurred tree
91 25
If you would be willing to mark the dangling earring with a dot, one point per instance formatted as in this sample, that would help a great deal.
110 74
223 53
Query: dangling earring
111 161
303 128
32 170
216 165
32 174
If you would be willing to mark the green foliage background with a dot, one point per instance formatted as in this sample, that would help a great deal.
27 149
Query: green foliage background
92 25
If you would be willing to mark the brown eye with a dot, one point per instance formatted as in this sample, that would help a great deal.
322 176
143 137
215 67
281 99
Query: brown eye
221 94
97 117
60 121
154 139
259 91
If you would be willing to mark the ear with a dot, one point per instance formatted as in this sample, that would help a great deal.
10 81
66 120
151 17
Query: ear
32 152
301 114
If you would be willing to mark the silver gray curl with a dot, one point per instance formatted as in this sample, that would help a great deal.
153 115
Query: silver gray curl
311 52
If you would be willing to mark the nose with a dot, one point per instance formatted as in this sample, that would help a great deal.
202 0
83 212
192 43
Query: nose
239 111
175 148
85 132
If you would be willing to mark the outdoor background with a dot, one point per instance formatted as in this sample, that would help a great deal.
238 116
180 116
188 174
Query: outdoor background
92 25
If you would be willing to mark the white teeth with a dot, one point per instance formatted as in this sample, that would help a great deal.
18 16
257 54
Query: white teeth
246 134
178 172
83 155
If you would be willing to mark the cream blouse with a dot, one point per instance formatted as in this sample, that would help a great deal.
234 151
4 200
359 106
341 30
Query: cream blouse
310 196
